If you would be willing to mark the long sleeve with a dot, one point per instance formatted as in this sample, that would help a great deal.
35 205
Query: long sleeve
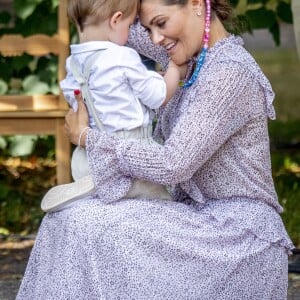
140 41
222 104
68 85
148 86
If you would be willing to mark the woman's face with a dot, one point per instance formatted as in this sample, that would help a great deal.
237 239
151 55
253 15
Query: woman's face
178 29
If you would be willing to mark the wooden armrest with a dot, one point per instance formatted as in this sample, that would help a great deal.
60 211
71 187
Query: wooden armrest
33 114
38 44
30 103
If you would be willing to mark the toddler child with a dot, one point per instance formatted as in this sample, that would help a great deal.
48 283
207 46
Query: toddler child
119 91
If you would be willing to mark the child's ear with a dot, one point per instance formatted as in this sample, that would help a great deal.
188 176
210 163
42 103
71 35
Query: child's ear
115 18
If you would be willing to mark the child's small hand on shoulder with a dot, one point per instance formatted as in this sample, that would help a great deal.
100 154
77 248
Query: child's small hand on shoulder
182 69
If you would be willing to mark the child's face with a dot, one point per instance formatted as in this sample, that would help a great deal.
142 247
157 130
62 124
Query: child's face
123 29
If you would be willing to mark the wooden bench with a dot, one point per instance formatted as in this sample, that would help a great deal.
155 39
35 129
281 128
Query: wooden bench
40 114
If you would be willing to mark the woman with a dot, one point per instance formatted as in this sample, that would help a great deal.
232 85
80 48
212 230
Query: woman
222 236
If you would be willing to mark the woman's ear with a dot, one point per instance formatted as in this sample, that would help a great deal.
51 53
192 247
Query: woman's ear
115 18
197 5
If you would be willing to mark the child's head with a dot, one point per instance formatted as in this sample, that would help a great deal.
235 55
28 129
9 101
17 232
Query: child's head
85 13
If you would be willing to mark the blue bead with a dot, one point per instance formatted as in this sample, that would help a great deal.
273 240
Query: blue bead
199 64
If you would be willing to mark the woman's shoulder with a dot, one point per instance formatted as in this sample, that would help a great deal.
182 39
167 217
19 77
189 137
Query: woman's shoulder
230 54
231 51
229 63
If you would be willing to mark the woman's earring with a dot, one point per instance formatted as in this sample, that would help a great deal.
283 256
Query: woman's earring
199 13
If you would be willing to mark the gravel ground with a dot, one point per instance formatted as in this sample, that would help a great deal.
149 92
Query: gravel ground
14 255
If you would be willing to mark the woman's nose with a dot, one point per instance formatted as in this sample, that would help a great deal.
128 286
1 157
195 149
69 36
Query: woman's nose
157 38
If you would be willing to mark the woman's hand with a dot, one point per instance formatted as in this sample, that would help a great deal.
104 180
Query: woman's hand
77 122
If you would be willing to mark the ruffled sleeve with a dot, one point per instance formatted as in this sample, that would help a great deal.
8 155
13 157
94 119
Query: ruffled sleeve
268 93
248 61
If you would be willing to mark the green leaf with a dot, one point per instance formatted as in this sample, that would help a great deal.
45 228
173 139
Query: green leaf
234 3
47 69
55 3
3 87
32 85
4 231
4 190
4 17
256 1
5 72
243 25
261 18
284 12
24 8
275 31
31 12
21 145
54 89
20 62
3 143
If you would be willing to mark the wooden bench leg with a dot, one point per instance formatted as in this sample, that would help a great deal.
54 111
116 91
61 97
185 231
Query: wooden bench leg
63 153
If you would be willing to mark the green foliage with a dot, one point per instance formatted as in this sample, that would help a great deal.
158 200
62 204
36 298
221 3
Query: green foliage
286 166
26 145
263 14
28 74
24 179
285 133
22 184
29 13
285 145
3 87
27 163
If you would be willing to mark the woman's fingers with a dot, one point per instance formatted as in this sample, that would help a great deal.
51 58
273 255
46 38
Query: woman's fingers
81 111
83 118
78 97
68 125
76 121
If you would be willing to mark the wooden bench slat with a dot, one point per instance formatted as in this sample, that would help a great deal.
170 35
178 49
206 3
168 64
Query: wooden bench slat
31 103
36 45
33 114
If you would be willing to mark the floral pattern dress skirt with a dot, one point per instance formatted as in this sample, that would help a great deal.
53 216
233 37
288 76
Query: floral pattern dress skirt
155 249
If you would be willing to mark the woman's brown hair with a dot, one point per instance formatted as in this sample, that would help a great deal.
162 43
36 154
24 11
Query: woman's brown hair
221 8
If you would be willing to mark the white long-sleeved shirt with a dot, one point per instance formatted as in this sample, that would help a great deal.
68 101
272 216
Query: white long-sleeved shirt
123 90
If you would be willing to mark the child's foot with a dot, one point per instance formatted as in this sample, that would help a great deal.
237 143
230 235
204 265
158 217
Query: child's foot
62 195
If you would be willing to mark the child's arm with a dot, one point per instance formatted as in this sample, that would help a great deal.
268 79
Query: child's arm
150 87
140 41
172 77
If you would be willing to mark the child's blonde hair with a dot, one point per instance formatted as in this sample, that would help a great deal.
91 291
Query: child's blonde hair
98 10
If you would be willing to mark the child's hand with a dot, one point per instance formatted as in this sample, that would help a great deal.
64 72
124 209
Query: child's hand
182 69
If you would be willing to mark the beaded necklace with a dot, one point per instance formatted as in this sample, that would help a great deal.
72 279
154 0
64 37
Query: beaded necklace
201 56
